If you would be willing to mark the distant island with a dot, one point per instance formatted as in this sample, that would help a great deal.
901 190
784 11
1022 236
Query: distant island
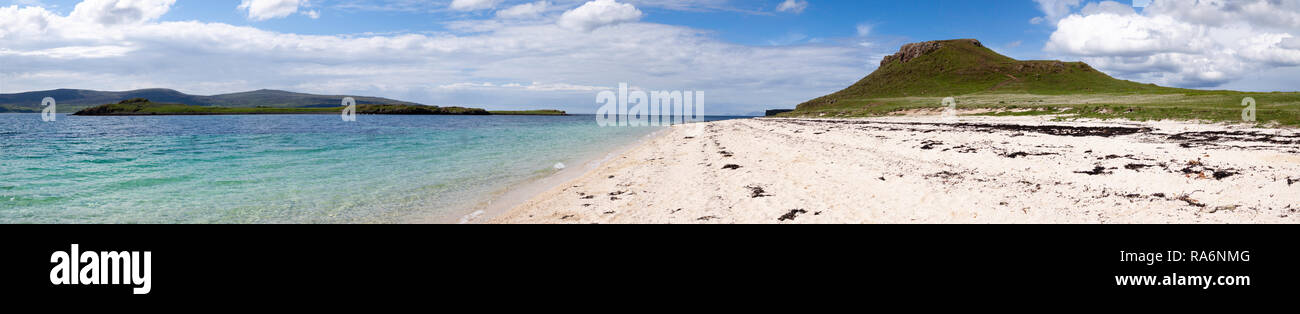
145 107
159 101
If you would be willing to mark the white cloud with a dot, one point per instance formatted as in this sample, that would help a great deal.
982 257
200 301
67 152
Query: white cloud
690 5
473 5
534 86
1291 43
1055 10
261 10
1273 15
795 6
541 64
787 39
599 13
1183 43
1111 7
864 29
527 10
74 52
114 12
27 20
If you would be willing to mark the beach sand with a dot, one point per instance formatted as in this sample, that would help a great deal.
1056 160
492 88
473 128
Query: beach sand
930 169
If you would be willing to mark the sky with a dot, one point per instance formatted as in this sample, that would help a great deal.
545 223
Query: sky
744 55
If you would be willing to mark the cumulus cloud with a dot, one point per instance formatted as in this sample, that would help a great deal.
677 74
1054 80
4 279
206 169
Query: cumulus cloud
1183 43
1111 7
793 6
1273 15
261 10
473 5
599 13
527 10
27 20
113 12
512 64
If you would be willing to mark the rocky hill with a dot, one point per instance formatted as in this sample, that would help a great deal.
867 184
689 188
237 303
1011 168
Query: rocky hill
965 66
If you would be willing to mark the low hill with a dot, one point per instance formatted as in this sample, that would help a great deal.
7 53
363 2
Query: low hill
73 99
141 106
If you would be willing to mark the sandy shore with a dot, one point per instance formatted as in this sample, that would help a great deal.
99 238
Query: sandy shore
519 193
930 169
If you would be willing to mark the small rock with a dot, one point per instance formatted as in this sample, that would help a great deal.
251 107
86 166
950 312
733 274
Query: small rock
794 213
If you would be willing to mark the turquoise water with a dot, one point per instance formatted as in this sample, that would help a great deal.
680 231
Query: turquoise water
279 168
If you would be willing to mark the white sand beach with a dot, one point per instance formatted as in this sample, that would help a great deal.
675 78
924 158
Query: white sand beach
930 169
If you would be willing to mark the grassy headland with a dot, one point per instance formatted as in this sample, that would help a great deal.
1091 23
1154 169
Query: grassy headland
920 75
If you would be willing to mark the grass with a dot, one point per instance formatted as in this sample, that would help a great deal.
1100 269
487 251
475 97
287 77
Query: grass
9 109
1271 108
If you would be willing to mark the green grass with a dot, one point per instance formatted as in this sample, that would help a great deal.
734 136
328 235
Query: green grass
15 109
979 78
1271 108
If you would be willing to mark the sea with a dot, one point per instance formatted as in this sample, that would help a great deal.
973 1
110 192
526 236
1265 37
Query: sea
283 168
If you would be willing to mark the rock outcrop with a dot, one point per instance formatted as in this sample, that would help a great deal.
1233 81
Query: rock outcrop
914 50
774 112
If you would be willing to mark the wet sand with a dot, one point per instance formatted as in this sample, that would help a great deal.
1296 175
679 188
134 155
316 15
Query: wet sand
929 169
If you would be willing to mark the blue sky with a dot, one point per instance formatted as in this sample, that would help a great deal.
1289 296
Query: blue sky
746 55
743 22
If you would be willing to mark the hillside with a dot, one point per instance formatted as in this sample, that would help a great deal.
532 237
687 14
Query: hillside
70 100
921 74
964 66
141 106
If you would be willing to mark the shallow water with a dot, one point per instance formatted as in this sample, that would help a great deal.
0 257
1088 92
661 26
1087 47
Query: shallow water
278 168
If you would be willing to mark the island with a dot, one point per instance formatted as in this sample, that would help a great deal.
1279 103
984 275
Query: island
145 107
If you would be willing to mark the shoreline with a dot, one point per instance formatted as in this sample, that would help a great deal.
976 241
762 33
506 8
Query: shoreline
510 197
926 169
